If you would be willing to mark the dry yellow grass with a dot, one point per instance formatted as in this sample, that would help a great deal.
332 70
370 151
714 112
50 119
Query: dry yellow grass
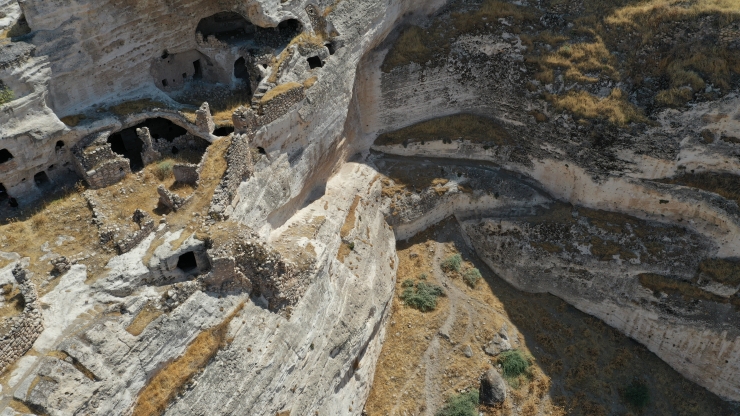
279 90
581 59
471 127
613 107
74 120
168 382
309 82
146 316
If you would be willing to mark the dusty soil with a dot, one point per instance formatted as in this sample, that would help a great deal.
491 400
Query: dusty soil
580 366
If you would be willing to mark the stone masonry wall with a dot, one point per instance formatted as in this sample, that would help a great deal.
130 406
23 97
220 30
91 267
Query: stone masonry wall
24 328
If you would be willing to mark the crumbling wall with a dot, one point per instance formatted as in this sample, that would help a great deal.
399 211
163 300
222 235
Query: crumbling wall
239 167
24 329
96 162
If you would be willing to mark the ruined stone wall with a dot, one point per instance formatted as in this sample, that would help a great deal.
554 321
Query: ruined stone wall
24 329
239 167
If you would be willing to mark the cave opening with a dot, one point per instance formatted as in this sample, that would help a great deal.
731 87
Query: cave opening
41 179
59 145
13 203
240 70
223 131
198 74
226 27
5 155
331 48
186 262
127 144
315 62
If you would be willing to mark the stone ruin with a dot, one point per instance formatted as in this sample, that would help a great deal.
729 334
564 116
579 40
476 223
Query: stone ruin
20 332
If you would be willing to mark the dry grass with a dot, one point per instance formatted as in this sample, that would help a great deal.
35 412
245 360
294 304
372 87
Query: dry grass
349 221
13 301
579 362
658 283
136 106
146 316
725 185
310 82
65 214
614 108
474 128
301 39
169 381
279 90
579 60
74 120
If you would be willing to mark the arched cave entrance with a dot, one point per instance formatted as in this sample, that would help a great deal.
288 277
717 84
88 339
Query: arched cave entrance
127 143
41 179
227 27
5 155
240 70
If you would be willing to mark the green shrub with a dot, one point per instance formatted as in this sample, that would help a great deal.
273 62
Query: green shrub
423 276
163 170
465 404
424 298
513 363
6 94
408 283
471 277
637 394
352 245
451 263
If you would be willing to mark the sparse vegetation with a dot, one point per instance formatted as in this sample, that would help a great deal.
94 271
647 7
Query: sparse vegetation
513 363
424 298
471 277
637 394
470 127
614 107
452 263
465 404
136 106
73 120
163 170
169 381
280 90
6 94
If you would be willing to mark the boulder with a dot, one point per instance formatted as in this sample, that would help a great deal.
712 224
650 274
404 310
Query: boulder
492 388
499 343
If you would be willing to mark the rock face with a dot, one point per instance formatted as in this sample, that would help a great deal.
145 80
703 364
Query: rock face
492 388
294 262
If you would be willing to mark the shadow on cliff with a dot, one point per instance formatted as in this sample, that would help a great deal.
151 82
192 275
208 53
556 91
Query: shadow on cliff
591 365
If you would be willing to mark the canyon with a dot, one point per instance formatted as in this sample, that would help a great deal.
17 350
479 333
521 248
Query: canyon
215 207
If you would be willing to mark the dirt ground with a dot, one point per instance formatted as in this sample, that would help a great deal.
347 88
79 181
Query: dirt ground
580 366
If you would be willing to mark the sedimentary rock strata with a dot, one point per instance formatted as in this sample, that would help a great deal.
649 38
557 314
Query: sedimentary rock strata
245 168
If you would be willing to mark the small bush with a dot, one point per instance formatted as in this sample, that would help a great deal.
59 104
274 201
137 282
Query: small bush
451 263
424 298
637 394
465 404
471 277
163 170
423 276
408 283
6 94
513 363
